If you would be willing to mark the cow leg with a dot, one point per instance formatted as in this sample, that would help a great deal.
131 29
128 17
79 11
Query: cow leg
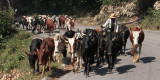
77 64
50 59
138 57
113 60
88 67
72 61
80 62
58 58
124 49
38 66
85 63
34 69
43 67
98 58
110 65
134 57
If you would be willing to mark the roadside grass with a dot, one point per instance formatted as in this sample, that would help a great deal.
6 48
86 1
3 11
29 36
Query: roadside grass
11 53
12 56
151 20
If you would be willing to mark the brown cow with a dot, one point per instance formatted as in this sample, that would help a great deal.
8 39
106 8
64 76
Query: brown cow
51 25
61 21
69 24
45 53
136 38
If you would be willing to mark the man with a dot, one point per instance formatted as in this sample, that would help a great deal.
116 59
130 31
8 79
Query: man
112 23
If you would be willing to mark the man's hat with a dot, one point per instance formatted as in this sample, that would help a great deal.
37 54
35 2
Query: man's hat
112 15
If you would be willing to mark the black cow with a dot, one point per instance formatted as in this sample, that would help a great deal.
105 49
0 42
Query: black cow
113 46
86 48
35 45
102 38
38 23
124 32
89 48
69 34
21 21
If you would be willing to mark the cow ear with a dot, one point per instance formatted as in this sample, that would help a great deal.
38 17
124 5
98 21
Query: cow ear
140 28
130 30
66 42
37 49
75 35
43 49
78 30
73 20
27 53
104 33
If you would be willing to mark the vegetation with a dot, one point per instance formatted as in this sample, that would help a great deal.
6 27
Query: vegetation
71 7
12 52
151 21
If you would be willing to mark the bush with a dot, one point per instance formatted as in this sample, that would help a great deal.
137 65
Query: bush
152 19
6 18
12 54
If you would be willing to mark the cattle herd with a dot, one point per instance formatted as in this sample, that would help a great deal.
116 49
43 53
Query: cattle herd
89 46
42 22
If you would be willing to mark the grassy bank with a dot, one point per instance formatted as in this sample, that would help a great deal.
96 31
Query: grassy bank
14 61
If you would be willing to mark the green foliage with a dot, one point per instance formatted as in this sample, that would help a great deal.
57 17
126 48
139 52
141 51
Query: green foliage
6 18
115 2
152 19
13 53
70 7
144 5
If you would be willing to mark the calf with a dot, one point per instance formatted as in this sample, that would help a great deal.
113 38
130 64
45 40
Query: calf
45 53
124 31
50 25
136 38
34 47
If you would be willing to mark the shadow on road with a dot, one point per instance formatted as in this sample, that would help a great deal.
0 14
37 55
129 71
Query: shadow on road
147 59
57 73
125 68
56 31
100 71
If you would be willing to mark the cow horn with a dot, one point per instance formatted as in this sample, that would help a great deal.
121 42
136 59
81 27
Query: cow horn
27 53
104 33
130 30
114 39
90 34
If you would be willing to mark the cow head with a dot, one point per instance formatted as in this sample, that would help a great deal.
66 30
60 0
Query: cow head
71 44
135 32
79 35
102 38
32 59
86 41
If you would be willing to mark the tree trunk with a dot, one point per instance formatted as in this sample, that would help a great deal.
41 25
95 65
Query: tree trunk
9 4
